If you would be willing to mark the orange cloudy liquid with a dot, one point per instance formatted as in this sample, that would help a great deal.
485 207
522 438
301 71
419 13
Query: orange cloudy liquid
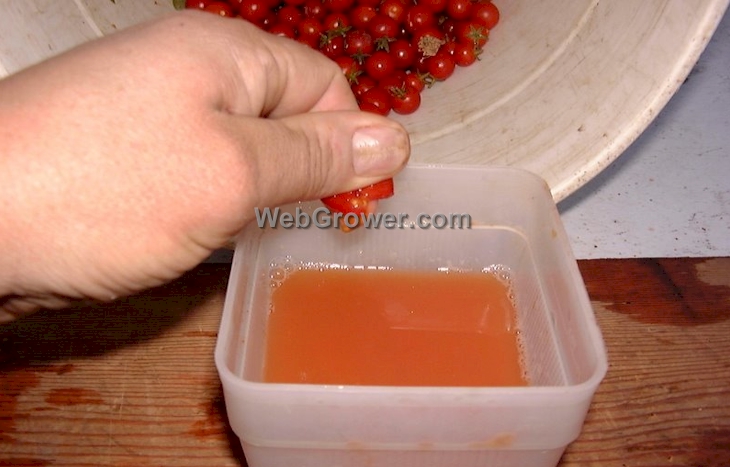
387 327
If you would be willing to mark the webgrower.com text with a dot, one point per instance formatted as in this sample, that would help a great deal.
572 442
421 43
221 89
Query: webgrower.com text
323 218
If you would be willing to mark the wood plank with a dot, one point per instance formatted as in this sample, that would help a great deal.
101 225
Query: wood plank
133 383
664 399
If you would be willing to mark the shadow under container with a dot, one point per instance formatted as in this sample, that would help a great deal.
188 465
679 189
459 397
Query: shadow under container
514 225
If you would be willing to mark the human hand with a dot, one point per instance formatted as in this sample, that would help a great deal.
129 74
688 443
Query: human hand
128 160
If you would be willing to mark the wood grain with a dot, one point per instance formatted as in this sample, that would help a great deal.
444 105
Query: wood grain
133 383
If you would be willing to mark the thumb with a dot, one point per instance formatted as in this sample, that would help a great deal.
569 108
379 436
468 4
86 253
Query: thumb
317 154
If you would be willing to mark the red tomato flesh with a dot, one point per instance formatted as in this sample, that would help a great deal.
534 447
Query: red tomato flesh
360 202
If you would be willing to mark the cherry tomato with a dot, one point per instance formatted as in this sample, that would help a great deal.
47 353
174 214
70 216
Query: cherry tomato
268 21
414 80
361 16
379 65
198 4
395 80
383 26
310 28
405 100
465 53
403 53
283 30
254 11
376 100
219 8
350 68
359 44
337 23
449 47
237 5
395 9
440 66
332 47
471 32
459 9
437 6
362 84
486 13
447 26
289 15
419 17
338 5
314 9
310 41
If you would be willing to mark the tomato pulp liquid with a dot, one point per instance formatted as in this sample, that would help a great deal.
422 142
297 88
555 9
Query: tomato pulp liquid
389 327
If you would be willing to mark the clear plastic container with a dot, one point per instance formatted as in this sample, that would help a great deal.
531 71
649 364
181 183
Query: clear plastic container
514 224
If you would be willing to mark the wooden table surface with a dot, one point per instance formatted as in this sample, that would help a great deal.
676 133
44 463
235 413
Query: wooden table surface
133 383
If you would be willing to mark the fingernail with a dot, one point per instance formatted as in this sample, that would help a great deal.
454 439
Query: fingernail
379 150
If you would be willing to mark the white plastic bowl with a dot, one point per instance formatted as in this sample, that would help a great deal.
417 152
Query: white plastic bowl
516 227
562 89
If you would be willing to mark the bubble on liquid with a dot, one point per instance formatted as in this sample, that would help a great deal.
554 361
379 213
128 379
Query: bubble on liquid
278 274
279 270
522 355
521 348
501 272
504 274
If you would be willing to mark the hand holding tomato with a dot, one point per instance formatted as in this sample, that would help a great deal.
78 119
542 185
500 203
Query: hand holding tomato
126 161
389 50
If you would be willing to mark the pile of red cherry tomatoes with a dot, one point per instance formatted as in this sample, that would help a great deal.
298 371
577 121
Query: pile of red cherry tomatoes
389 50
